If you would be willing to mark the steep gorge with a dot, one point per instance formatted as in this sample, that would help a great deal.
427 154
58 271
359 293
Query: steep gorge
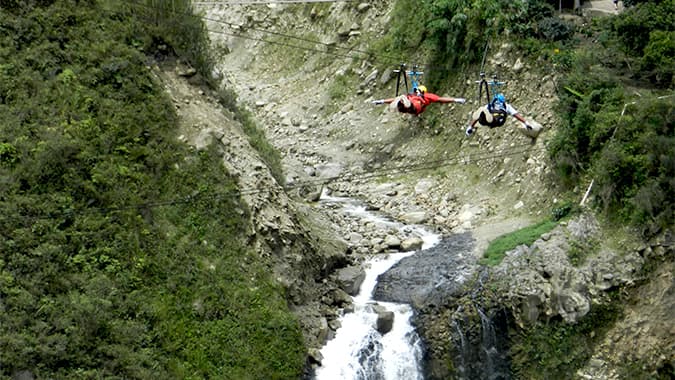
313 102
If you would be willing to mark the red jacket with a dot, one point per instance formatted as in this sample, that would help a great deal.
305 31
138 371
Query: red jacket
421 102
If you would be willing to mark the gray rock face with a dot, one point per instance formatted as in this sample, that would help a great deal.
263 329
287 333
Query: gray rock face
385 319
411 244
350 279
430 276
415 217
541 282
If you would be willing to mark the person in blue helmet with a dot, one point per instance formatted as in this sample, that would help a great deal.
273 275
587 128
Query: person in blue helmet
494 114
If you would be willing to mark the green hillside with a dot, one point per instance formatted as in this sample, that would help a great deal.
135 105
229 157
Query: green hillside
120 251
616 83
121 248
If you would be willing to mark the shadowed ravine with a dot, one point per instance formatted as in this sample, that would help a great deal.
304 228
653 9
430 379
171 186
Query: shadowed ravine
437 277
359 350
401 282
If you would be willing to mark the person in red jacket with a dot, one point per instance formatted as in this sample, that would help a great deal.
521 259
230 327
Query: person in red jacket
416 102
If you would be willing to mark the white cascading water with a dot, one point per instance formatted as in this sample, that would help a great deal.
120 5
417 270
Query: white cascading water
358 351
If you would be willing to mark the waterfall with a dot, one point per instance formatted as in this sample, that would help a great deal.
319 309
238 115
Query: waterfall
358 351
483 355
463 350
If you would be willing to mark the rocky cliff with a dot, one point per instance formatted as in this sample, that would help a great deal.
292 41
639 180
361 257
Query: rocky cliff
295 68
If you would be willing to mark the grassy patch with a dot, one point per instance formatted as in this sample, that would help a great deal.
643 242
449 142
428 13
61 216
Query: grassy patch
580 251
498 247
340 88
256 136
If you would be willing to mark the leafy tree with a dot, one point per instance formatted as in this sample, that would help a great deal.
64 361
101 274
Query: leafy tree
658 61
455 32
633 27
121 249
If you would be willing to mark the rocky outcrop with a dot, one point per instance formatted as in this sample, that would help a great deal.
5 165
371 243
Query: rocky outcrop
350 279
496 176
546 280
299 251
641 344
385 319
430 277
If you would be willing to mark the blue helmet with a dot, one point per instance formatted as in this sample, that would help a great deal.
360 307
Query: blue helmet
500 98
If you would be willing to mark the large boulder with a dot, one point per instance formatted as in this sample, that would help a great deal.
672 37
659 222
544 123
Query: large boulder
350 279
548 280
411 244
385 319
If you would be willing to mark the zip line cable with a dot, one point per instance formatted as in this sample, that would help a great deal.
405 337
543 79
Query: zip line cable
263 2
387 60
390 60
328 45
349 177
189 199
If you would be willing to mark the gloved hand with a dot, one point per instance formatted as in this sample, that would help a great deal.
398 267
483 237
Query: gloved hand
381 101
460 100
469 131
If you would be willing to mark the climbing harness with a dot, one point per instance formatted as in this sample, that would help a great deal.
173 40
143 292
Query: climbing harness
487 87
484 84
498 112
402 76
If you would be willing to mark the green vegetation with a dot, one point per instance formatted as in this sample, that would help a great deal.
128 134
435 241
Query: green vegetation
625 142
452 34
170 27
340 88
615 84
528 235
578 251
121 252
556 350
256 136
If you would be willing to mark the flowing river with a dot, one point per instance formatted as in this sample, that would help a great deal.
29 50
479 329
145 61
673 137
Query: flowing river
358 350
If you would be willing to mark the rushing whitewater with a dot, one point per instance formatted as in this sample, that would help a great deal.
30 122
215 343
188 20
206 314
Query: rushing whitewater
358 350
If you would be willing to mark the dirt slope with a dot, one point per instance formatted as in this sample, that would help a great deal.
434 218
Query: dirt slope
289 90
314 104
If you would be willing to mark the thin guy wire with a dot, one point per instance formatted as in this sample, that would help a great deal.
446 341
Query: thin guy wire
386 60
402 169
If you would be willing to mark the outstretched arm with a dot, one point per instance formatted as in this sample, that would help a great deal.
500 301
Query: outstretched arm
512 111
452 100
522 120
383 101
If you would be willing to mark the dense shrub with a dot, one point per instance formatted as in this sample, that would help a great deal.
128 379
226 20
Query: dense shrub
455 32
171 26
627 151
121 252
527 25
634 26
621 141
658 61
555 29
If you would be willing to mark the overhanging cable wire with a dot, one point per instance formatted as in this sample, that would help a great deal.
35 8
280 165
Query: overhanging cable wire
362 176
348 177
384 59
263 2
